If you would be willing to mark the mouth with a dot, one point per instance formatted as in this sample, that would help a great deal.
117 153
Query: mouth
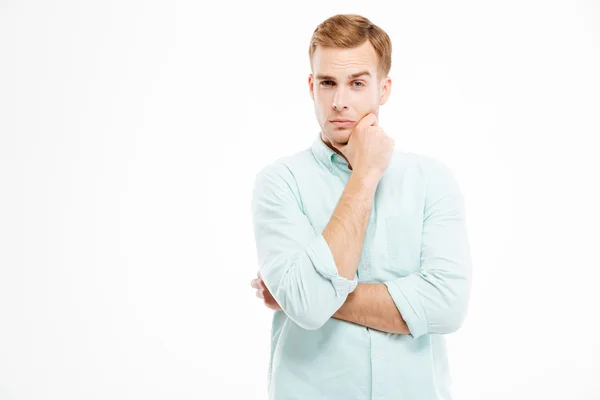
342 123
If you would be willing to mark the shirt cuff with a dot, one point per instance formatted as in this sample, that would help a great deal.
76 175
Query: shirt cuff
322 258
408 304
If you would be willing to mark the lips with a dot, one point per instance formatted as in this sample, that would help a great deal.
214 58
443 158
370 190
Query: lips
343 123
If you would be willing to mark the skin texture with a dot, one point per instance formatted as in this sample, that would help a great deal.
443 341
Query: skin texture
346 84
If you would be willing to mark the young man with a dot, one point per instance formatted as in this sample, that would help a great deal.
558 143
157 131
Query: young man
362 249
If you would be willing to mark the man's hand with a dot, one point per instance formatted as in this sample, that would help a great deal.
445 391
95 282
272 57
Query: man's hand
369 148
263 293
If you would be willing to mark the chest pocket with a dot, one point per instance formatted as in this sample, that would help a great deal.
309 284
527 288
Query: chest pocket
403 235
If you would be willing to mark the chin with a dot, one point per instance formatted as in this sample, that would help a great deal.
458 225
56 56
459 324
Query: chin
337 135
341 136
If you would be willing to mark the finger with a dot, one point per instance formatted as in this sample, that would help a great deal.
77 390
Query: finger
271 302
268 296
258 274
265 289
273 305
259 294
368 120
258 284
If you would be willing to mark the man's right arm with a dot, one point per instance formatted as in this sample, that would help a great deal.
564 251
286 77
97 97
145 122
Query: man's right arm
309 274
345 232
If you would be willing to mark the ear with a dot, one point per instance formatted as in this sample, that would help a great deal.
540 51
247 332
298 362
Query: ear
310 86
385 90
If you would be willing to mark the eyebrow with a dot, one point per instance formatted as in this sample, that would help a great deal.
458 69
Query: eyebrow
351 76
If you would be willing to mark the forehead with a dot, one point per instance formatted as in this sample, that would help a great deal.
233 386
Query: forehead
342 61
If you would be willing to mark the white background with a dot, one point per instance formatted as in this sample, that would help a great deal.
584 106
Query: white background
130 135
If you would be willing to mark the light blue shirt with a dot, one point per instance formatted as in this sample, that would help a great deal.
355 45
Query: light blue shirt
415 243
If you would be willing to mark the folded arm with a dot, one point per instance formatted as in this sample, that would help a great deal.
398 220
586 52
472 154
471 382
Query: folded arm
434 299
309 274
372 306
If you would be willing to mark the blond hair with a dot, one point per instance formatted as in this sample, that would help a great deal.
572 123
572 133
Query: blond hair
351 30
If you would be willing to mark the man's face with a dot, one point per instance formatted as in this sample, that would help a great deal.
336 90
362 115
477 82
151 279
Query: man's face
345 85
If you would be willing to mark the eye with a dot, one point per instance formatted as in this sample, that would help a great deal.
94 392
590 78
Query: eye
361 84
327 83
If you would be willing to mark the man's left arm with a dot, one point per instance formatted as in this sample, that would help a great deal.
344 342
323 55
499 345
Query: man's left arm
372 306
434 299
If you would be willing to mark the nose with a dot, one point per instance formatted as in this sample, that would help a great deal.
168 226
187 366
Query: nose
339 101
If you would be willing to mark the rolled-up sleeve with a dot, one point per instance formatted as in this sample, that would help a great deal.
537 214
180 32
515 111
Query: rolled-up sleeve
295 262
435 299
